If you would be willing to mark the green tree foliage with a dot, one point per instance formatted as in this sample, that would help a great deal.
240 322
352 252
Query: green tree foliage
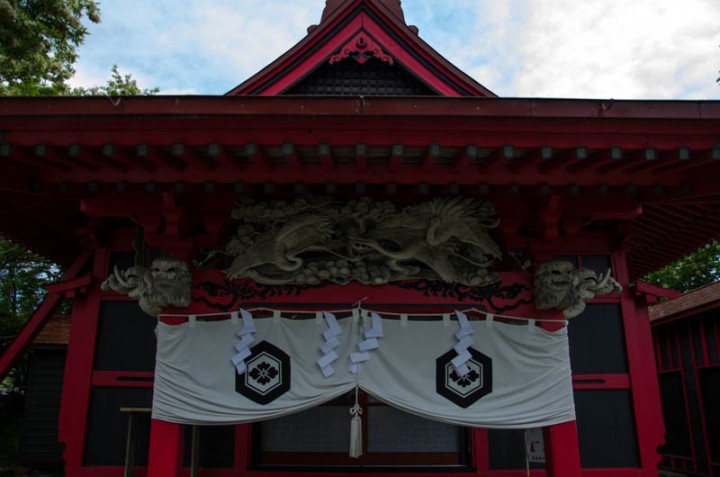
23 277
692 271
38 44
117 85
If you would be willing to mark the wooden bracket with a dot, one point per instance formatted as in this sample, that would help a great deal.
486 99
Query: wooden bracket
71 288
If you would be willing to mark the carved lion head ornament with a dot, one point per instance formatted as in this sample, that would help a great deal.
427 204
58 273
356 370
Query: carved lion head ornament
561 286
167 282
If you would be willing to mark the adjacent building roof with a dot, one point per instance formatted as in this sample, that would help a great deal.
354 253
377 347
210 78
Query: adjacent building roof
692 302
56 332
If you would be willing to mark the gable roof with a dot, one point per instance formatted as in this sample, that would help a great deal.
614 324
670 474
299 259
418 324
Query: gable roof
369 32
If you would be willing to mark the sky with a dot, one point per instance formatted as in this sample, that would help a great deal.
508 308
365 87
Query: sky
621 49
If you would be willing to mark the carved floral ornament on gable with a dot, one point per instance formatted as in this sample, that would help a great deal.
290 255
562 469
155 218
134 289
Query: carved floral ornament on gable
361 48
311 241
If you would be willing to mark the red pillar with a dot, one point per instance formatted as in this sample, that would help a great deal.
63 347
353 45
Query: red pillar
164 460
562 453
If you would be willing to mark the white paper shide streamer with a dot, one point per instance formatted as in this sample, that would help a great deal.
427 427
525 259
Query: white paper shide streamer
328 347
246 339
368 344
465 340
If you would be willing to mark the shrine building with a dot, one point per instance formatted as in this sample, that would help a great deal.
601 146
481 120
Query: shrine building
358 261
686 334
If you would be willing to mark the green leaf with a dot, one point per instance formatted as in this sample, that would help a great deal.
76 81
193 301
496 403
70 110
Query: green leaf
692 271
38 43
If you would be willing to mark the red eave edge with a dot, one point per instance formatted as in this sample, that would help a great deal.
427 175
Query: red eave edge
358 106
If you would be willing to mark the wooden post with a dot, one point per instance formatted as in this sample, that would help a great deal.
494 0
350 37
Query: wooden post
77 381
195 452
164 460
562 453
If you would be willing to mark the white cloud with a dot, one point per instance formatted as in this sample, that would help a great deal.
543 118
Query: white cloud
240 44
179 92
639 49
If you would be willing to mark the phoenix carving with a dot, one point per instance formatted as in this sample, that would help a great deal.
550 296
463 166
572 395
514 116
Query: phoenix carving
312 240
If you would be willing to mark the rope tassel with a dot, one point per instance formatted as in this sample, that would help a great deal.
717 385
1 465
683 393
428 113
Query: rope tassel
356 437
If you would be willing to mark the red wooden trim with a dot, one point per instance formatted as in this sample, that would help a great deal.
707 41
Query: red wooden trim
701 401
165 449
601 381
562 452
38 319
12 109
124 379
243 446
643 376
676 357
658 357
388 298
78 368
111 295
66 286
683 380
668 350
656 291
480 450
698 321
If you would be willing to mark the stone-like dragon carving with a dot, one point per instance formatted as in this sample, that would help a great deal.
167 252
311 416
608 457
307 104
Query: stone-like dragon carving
560 285
168 282
313 240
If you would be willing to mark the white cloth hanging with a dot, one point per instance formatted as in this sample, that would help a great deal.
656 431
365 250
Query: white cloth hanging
516 379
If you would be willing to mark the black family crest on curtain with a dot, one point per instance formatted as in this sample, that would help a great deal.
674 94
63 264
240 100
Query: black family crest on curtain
464 389
267 376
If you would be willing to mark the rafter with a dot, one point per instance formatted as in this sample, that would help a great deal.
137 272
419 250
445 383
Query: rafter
290 156
396 157
325 155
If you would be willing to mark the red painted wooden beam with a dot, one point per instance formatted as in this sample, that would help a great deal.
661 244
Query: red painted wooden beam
39 318
165 458
71 288
562 451
645 288
220 106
